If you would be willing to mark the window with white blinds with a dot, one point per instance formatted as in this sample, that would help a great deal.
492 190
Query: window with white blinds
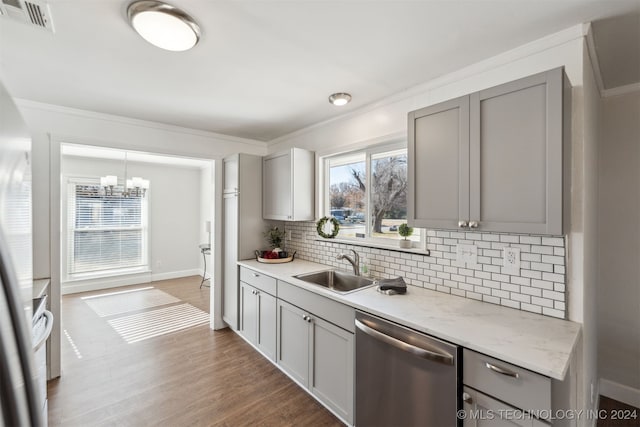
106 233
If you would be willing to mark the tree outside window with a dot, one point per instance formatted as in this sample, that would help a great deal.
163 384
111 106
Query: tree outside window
384 204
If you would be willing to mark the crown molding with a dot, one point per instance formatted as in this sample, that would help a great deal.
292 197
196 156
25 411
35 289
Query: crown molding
593 57
523 51
621 90
87 114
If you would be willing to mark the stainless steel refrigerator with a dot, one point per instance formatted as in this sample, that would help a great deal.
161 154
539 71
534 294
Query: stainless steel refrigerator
20 402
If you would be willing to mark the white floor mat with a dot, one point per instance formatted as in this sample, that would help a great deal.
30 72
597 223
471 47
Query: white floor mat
153 323
124 302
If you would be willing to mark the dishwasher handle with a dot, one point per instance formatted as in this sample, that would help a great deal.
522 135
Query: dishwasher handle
444 358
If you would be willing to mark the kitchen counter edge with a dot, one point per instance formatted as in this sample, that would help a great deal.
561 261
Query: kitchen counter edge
539 343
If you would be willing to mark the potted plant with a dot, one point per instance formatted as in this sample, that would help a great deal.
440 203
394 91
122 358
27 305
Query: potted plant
275 238
405 231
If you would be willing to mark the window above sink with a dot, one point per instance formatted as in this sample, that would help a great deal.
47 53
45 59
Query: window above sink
366 191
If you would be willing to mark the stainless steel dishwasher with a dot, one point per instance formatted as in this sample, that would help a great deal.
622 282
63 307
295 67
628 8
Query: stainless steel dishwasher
404 378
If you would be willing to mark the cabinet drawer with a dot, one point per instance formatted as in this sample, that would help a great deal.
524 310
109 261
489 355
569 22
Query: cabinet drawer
512 384
339 314
258 280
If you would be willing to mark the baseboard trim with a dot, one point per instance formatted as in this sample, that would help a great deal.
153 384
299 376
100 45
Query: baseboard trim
175 274
620 392
105 283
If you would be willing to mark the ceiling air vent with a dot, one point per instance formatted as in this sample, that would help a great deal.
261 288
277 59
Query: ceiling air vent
29 12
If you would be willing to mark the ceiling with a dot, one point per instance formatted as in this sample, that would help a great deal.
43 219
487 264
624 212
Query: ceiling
617 43
265 68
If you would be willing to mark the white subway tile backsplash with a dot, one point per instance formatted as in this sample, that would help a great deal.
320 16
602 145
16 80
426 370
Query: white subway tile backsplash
509 303
532 240
489 298
507 238
539 287
536 292
553 277
553 241
532 308
544 302
552 259
542 267
545 250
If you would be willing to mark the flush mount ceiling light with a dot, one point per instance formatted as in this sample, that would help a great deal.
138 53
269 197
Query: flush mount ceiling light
163 25
340 99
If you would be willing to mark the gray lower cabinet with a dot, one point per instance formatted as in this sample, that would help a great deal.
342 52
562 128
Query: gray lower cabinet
258 319
492 160
497 393
481 410
294 341
319 356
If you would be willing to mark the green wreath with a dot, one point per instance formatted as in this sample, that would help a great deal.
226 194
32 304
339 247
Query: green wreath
320 227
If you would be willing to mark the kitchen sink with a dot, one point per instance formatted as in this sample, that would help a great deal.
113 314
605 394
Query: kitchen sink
336 281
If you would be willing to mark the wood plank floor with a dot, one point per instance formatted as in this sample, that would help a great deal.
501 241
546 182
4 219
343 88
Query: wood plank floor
191 377
617 414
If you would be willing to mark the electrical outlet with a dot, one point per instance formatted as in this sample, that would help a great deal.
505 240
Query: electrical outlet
288 234
511 260
467 254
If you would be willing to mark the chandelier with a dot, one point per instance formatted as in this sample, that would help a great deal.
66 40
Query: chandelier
134 187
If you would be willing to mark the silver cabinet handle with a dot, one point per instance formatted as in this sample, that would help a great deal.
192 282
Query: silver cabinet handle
256 275
305 317
309 319
462 224
444 358
474 224
466 398
502 371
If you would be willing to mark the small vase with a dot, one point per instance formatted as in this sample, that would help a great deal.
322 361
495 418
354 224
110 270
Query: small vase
405 244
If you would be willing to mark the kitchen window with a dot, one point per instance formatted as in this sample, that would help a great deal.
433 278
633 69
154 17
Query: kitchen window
106 233
366 191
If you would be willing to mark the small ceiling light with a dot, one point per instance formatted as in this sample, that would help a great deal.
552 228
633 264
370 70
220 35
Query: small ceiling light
340 99
163 25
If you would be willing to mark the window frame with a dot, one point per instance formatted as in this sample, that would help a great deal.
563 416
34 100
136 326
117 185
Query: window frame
325 202
69 214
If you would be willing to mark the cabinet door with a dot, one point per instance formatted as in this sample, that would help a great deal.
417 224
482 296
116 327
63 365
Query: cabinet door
438 187
516 156
266 334
231 171
248 313
230 255
293 342
332 365
481 410
277 187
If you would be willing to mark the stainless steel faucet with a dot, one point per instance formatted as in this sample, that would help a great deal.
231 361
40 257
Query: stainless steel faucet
355 261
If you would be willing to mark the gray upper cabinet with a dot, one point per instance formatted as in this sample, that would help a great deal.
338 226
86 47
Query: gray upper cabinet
438 189
492 160
288 185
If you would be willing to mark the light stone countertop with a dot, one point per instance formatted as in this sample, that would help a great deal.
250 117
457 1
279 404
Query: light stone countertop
539 343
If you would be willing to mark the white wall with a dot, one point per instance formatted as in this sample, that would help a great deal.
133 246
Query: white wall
566 49
619 249
389 117
51 125
174 212
206 212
